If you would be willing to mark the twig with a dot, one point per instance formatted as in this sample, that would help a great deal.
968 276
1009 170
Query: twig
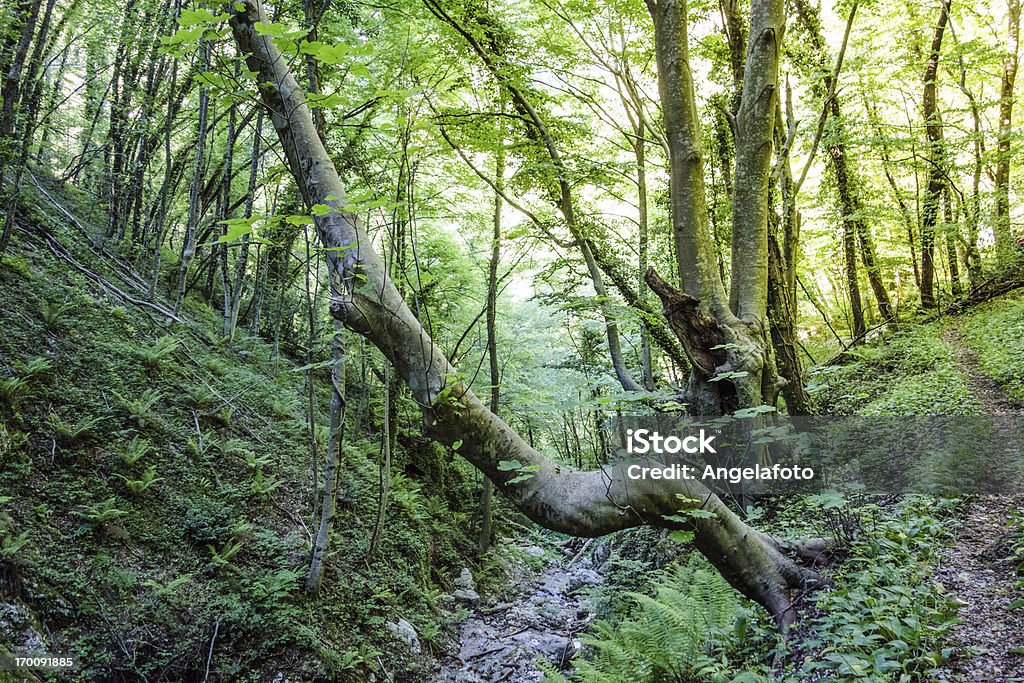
582 550
209 656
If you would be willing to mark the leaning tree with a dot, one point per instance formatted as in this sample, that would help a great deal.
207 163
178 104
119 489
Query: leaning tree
721 333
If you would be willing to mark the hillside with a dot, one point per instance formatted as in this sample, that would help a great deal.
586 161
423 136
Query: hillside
157 486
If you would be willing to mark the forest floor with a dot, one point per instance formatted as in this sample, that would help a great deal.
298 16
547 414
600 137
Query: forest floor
537 617
975 569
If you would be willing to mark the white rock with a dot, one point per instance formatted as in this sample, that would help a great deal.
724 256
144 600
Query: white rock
405 632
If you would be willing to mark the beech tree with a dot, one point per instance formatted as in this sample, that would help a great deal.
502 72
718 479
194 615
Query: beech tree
720 333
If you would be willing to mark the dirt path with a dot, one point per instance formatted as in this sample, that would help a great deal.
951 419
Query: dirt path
989 643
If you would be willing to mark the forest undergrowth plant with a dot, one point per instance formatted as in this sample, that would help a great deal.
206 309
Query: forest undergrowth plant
996 333
13 390
138 486
883 619
52 314
162 349
100 514
669 635
140 408
77 433
131 452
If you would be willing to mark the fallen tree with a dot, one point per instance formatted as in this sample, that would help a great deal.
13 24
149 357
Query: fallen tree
582 503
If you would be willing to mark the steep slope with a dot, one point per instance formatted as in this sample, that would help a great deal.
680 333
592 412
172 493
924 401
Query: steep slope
157 488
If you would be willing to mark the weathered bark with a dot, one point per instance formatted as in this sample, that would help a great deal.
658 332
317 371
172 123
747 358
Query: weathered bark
936 161
782 275
696 267
1004 238
585 503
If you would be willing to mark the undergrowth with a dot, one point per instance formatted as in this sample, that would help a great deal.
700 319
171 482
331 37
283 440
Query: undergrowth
912 373
882 620
995 331
157 492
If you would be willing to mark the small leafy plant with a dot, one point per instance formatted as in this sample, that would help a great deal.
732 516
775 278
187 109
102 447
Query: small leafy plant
138 486
133 451
76 433
162 349
52 314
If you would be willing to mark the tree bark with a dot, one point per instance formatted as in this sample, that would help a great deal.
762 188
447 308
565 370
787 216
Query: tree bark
487 494
1004 237
936 161
585 503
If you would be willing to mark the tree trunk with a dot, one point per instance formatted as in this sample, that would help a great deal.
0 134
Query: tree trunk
584 503
335 440
936 161
243 256
1004 236
188 248
491 323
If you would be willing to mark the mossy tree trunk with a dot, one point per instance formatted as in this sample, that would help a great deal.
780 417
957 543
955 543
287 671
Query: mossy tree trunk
559 497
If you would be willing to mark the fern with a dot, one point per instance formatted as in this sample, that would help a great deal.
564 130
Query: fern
12 389
666 636
138 486
72 434
52 314
140 408
11 546
36 366
161 350
101 513
133 451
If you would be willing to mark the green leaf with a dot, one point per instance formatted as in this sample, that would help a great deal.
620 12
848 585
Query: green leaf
509 465
680 537
190 17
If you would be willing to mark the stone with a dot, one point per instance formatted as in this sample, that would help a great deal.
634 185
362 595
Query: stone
470 597
406 633
533 551
583 577
465 580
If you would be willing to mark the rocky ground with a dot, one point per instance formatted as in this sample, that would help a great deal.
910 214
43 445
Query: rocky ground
537 618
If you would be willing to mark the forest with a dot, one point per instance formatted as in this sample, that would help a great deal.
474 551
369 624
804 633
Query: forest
609 341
